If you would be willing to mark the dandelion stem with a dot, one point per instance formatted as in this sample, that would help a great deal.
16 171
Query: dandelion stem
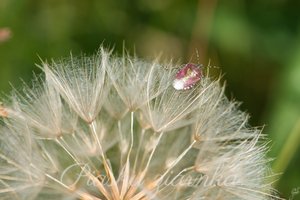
58 181
99 184
127 165
125 180
68 152
114 185
131 134
289 149
79 193
94 132
15 164
48 155
79 142
139 149
175 162
121 140
152 153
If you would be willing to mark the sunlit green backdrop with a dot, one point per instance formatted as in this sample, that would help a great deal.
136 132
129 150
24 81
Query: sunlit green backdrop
255 44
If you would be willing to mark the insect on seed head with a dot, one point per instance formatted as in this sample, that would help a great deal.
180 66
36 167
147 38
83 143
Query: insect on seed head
187 77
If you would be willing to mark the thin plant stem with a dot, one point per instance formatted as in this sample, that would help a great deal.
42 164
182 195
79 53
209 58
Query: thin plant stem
288 150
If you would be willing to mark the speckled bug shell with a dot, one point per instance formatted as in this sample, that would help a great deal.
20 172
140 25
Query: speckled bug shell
187 77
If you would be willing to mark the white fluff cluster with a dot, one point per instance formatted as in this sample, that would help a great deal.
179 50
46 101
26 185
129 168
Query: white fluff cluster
113 128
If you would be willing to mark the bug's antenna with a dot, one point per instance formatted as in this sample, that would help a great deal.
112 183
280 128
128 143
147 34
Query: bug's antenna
211 66
198 57
208 64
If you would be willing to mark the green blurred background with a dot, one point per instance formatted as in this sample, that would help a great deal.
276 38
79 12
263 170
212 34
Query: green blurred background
256 44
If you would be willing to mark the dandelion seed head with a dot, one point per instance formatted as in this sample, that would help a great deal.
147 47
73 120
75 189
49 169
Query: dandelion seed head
114 128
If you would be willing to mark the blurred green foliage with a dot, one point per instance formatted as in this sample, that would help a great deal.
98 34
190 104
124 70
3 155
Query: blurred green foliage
255 43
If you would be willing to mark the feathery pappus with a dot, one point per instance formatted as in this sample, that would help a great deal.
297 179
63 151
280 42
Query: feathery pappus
104 127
